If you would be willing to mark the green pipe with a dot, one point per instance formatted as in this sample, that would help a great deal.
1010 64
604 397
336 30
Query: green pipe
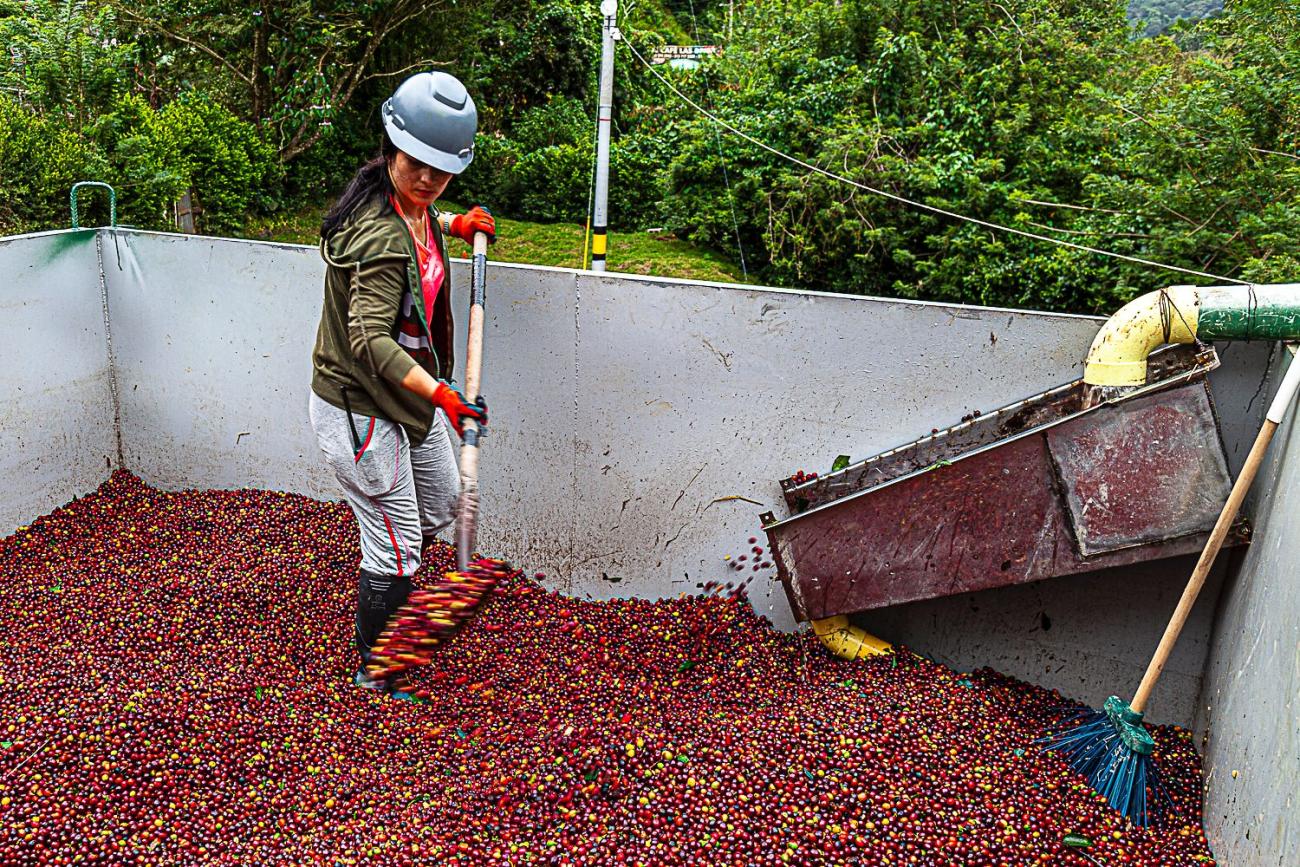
1234 313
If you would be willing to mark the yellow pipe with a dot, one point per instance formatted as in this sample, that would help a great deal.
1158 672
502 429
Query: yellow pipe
846 640
1119 353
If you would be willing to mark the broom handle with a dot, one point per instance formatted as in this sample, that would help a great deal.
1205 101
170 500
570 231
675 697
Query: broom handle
474 352
467 505
1276 412
474 359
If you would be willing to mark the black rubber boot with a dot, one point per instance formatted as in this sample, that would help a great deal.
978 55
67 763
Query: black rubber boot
378 598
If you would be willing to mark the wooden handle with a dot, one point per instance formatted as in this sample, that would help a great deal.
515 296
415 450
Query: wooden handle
474 350
1285 393
468 467
1203 565
474 353
467 504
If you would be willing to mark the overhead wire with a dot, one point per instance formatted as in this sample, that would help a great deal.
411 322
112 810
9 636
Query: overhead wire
910 202
722 160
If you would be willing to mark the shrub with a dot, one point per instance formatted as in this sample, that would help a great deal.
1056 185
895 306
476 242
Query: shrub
561 121
40 160
545 174
484 182
637 179
143 163
232 170
550 183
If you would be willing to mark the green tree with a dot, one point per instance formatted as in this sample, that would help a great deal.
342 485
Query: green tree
40 160
1042 116
141 161
64 67
232 170
292 66
63 59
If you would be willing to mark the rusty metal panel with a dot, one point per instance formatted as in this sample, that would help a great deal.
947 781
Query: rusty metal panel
957 529
1143 471
1049 488
990 520
974 432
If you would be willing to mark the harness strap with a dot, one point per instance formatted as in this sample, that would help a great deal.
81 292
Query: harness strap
347 407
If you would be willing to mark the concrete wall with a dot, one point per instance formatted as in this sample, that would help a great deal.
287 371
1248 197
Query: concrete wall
213 346
1250 711
640 425
56 409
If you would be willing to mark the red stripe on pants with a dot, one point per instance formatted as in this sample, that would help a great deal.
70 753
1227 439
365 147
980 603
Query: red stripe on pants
370 432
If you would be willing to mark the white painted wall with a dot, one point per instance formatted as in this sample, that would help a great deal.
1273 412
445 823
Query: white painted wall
1250 709
213 345
56 411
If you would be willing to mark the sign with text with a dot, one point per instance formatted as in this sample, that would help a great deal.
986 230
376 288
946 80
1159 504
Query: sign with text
669 53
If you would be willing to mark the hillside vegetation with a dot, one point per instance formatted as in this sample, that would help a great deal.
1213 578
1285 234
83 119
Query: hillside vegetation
1047 116
559 245
1155 17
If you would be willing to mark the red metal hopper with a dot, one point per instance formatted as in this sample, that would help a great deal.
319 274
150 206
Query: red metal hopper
1039 488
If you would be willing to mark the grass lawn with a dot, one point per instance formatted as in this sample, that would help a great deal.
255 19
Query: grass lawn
558 244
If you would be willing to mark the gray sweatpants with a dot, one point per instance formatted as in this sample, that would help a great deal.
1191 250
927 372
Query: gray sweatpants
399 494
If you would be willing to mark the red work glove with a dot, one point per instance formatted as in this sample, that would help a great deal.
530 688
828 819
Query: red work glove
449 399
476 219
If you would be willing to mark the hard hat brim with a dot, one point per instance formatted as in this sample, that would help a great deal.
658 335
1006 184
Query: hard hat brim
416 149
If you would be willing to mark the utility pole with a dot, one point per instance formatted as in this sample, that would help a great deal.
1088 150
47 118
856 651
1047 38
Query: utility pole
604 119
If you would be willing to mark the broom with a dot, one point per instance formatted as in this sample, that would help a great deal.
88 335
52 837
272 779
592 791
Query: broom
431 616
1111 747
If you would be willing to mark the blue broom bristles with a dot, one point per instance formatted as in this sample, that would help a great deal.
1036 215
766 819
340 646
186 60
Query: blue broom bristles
1113 769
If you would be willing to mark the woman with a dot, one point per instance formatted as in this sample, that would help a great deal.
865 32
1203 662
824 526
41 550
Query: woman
381 387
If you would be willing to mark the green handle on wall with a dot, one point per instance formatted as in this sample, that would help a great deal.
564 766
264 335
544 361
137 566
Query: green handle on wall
112 201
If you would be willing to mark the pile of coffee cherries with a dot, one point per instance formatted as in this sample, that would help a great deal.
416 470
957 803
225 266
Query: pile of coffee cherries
175 688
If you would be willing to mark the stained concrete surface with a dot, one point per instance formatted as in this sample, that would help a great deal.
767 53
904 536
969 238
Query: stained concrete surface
1250 705
56 407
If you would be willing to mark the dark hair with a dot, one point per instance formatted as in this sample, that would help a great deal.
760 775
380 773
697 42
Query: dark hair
369 183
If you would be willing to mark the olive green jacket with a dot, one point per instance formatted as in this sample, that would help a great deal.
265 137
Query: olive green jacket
372 300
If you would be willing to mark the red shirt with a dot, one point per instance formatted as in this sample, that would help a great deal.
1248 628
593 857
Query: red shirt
428 260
